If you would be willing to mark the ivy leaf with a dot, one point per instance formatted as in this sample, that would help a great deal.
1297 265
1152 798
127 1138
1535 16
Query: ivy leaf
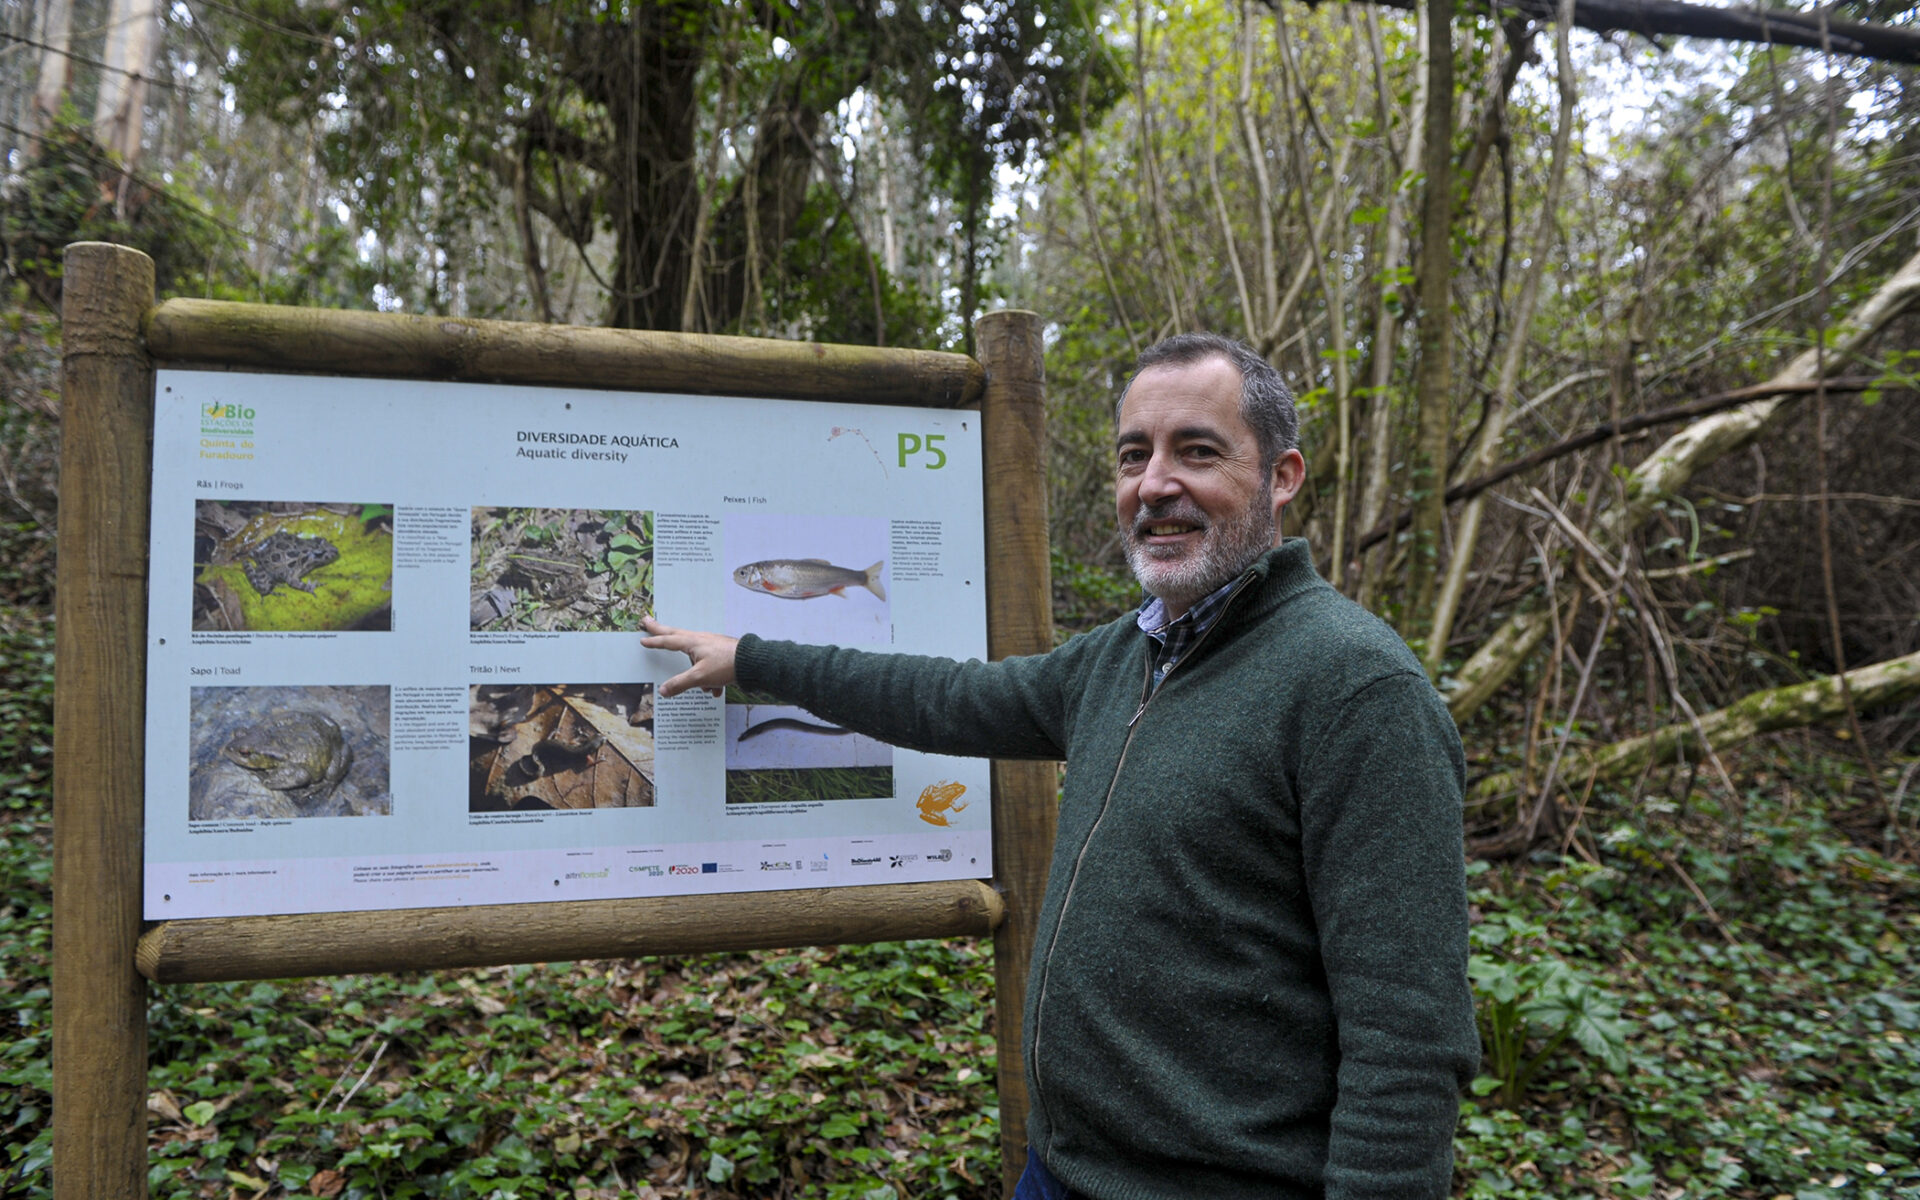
839 1125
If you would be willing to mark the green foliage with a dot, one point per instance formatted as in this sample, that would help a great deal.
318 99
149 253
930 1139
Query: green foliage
841 1070
1784 1065
1085 595
72 191
1549 1001
832 287
26 892
688 131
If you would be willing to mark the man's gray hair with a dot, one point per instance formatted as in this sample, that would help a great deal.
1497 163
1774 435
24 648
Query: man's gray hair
1266 404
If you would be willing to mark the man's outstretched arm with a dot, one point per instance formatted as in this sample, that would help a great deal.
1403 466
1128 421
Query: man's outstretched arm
1009 709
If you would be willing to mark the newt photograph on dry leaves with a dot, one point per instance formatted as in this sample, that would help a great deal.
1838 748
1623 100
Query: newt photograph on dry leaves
560 745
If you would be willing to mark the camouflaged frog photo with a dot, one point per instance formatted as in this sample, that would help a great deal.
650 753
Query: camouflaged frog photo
281 565
270 753
568 570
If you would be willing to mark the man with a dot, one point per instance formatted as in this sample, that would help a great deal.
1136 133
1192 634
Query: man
1249 977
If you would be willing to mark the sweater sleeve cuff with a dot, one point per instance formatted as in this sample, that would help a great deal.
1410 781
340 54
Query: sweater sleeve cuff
749 661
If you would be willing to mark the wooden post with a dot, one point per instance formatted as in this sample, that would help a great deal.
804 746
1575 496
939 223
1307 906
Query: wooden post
99 727
1013 420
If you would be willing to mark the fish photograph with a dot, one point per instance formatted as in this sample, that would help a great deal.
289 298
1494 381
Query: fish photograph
808 578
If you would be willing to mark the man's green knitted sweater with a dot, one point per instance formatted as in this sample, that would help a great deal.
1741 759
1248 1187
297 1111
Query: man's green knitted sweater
1250 973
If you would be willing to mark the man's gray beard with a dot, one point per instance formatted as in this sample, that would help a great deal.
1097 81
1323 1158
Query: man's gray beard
1226 549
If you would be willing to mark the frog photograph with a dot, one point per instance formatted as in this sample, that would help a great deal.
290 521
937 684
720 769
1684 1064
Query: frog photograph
566 570
560 746
271 753
292 565
776 753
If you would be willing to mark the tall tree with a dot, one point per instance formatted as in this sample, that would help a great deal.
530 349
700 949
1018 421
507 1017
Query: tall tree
1434 384
119 108
596 119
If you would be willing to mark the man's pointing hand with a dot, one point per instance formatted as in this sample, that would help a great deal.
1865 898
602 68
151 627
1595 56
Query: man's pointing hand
711 654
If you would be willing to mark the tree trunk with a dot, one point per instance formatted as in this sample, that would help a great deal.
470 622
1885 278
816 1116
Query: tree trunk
1378 480
1435 380
1486 448
119 111
56 65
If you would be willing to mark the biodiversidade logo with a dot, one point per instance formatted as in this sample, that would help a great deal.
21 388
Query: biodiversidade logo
226 419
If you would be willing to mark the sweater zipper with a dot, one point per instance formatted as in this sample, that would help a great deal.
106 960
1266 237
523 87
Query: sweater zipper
1147 693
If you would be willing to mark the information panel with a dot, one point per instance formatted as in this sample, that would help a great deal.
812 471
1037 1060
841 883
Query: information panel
394 659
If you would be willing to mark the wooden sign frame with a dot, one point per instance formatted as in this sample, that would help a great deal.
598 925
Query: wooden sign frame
104 956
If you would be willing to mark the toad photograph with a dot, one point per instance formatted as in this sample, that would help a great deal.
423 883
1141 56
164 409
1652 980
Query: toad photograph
547 570
560 745
778 753
269 753
285 565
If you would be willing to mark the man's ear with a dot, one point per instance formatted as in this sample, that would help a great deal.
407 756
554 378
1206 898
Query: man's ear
1289 476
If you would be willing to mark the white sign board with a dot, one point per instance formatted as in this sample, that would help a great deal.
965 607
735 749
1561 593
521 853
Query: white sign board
393 658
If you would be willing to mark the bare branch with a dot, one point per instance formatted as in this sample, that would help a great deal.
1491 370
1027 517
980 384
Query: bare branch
1769 27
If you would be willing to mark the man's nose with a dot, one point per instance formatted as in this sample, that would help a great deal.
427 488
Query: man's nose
1161 480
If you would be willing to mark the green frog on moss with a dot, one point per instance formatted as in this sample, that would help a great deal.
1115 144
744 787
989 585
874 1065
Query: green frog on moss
286 558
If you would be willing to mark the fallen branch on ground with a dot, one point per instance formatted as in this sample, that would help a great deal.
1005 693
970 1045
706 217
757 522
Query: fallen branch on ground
1876 686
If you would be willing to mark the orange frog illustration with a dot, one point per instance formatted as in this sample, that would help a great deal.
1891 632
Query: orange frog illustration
938 800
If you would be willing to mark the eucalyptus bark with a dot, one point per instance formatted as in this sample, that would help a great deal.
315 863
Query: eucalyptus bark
55 29
119 111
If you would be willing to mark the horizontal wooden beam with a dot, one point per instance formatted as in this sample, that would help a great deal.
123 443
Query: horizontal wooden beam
226 948
225 335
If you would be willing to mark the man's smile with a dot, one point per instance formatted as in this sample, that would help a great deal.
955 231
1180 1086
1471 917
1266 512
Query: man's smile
1169 528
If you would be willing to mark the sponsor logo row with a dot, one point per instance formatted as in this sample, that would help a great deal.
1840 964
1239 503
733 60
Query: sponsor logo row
655 870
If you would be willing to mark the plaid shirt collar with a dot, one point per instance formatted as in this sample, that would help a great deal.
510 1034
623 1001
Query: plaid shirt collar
1178 636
